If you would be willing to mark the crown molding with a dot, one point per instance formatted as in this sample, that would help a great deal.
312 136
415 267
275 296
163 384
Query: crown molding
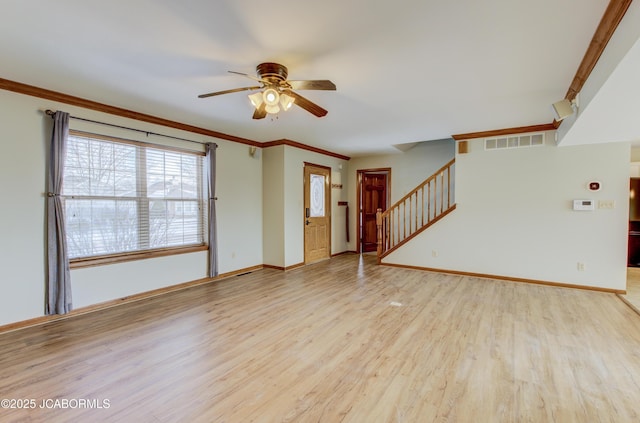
296 144
34 91
505 131
31 90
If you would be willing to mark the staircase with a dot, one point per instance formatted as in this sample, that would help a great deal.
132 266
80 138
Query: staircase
429 202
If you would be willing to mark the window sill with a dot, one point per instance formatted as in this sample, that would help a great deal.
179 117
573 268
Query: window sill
137 255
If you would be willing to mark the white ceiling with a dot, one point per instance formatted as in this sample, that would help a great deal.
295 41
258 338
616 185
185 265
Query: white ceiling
406 71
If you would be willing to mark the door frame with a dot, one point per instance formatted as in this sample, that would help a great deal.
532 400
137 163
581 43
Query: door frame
359 175
327 200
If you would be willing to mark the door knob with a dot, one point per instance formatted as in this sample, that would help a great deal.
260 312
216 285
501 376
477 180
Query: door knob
306 222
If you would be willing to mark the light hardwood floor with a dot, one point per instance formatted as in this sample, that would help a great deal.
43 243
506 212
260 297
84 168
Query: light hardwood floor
632 297
338 341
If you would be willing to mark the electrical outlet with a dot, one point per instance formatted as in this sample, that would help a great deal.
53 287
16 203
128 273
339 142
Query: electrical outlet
434 253
580 267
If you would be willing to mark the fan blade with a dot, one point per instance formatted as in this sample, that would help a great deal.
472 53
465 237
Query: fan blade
248 76
260 112
320 84
235 90
308 105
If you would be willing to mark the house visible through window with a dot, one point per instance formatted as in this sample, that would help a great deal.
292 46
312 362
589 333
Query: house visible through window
123 196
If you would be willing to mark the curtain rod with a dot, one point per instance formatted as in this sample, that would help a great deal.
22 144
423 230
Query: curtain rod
51 113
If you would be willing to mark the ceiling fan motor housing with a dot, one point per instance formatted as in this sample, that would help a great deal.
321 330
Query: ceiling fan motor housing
272 72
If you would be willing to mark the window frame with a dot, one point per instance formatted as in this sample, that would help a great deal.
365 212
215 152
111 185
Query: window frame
119 257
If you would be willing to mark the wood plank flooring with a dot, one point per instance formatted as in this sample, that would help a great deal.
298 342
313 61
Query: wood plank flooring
338 341
632 297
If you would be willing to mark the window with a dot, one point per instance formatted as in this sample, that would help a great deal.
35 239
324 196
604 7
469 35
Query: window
124 196
316 195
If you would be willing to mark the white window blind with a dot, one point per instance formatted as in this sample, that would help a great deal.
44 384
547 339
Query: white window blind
124 196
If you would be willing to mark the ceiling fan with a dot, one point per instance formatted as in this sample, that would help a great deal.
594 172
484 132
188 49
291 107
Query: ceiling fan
277 92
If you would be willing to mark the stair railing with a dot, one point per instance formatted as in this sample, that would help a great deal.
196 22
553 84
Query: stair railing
422 207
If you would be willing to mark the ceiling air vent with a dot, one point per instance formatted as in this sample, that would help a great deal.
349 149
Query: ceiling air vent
530 140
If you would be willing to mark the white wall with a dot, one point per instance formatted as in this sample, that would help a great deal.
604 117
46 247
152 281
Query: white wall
408 170
273 195
239 207
283 171
24 131
22 172
514 216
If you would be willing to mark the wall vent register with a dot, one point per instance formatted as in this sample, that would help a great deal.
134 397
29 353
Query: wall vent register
519 141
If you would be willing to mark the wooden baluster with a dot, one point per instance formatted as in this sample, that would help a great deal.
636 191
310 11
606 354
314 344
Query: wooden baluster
398 227
384 233
415 219
429 201
410 214
390 228
379 227
448 187
441 192
387 232
394 228
407 223
417 210
410 223
399 217
436 196
404 219
422 205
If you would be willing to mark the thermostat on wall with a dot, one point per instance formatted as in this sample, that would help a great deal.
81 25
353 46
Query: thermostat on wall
583 205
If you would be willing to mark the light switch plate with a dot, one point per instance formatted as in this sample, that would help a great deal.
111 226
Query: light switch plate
606 204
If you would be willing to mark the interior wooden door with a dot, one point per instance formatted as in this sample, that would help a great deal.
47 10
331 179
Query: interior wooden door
373 196
317 213
633 256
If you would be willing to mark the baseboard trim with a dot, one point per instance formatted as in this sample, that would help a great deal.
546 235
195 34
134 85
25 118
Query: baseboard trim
270 266
124 300
508 278
284 269
160 291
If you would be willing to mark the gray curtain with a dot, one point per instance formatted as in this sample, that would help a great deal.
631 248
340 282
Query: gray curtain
59 278
210 149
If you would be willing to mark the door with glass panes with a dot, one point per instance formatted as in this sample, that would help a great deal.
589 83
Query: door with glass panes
317 213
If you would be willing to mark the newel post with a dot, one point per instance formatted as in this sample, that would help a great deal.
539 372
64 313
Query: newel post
379 238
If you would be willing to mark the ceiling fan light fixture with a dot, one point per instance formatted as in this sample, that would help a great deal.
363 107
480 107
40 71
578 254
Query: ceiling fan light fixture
276 93
256 99
286 101
272 109
271 96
